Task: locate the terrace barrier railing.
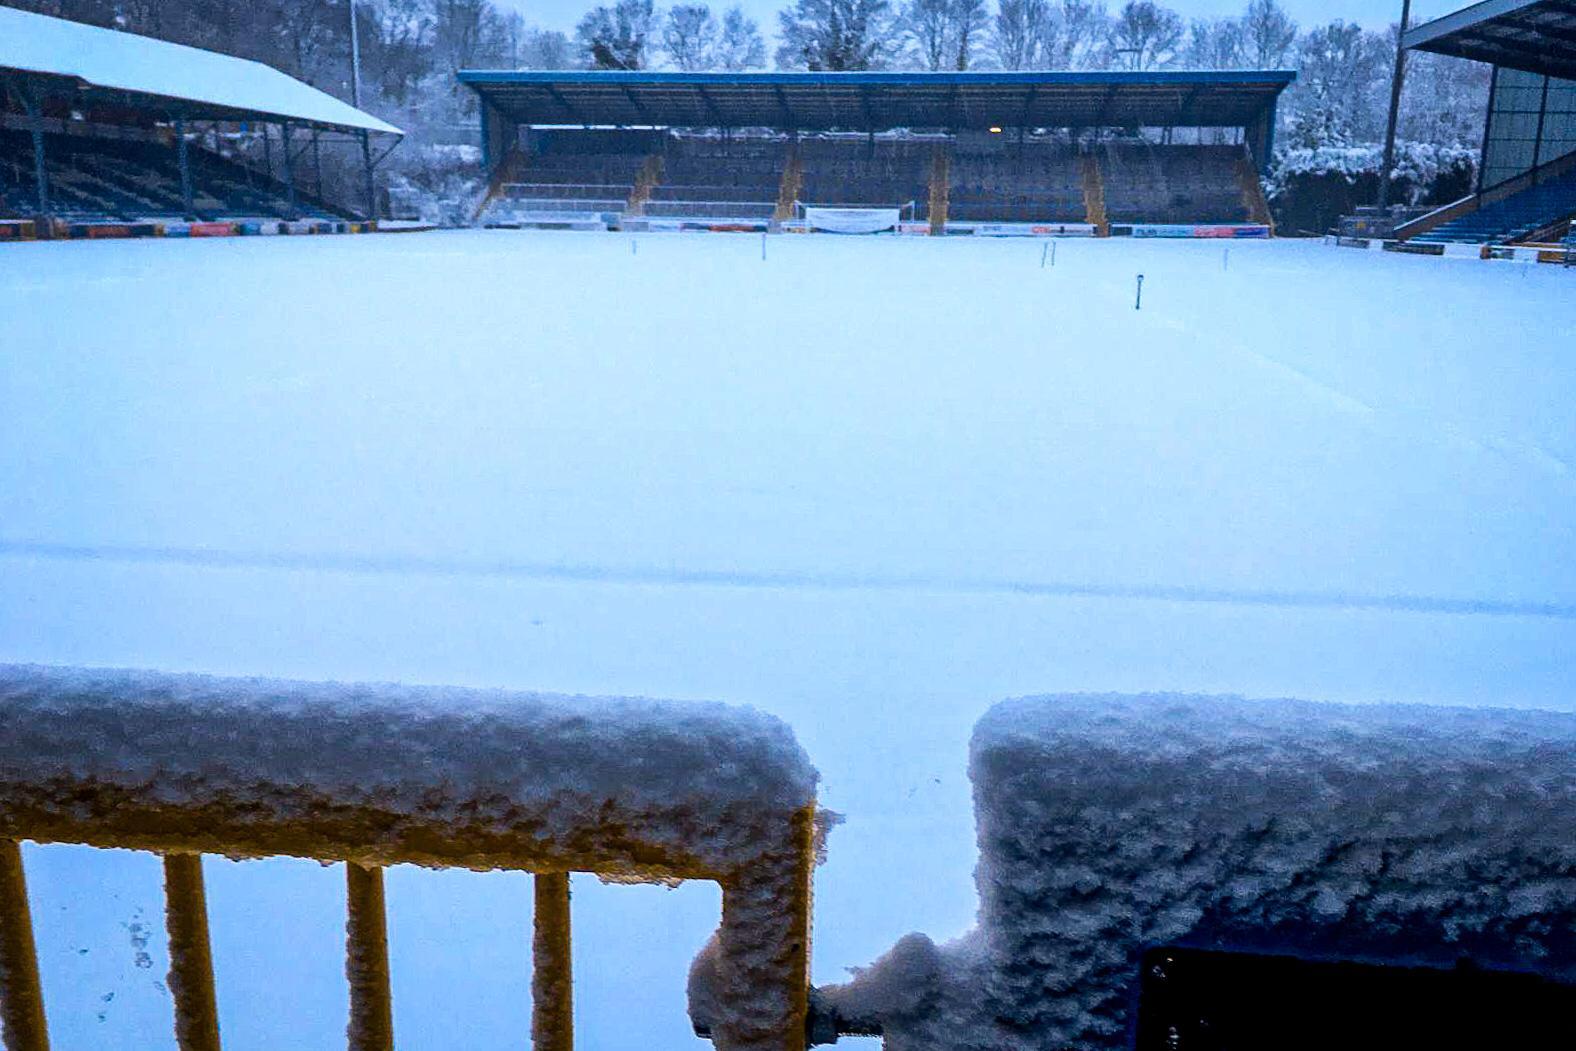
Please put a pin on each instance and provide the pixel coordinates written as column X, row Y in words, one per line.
column 373, row 776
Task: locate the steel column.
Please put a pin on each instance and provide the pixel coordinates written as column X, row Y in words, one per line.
column 35, row 116
column 191, row 958
column 552, row 981
column 366, row 169
column 1387, row 167
column 186, row 168
column 290, row 183
column 367, row 961
column 21, row 998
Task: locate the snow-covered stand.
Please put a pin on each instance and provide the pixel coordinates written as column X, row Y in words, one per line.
column 1110, row 825
column 373, row 775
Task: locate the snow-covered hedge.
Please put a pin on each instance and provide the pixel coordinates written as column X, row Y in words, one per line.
column 1109, row 824
column 1310, row 188
column 1418, row 165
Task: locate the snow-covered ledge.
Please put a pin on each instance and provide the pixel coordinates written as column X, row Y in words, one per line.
column 1111, row 824
column 380, row 774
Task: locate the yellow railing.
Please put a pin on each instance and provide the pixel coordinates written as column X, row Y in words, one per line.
column 184, row 766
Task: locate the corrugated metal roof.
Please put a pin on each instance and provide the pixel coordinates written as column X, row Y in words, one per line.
column 1535, row 35
column 876, row 101
column 207, row 84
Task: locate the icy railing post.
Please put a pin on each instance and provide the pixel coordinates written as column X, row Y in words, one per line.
column 374, row 775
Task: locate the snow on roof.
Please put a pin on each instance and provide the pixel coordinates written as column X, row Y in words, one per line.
column 528, row 775
column 106, row 58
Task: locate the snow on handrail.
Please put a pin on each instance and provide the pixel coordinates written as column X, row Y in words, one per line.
column 374, row 775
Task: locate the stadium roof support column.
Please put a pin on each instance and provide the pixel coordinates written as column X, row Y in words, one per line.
column 1260, row 137
column 1397, row 79
column 498, row 136
column 366, row 168
column 290, row 183
column 184, row 158
column 35, row 119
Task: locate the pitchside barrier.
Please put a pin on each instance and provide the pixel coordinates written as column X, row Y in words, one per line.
column 1021, row 229
column 377, row 775
column 1439, row 249
column 1235, row 231
column 94, row 230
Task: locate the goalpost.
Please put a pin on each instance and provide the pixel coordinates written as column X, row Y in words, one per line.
column 843, row 219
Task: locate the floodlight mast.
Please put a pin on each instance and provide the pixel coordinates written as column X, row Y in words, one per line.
column 1387, row 167
column 355, row 59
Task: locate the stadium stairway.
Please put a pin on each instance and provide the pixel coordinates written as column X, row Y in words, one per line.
column 792, row 180
column 1094, row 195
column 940, row 183
column 1253, row 198
column 1529, row 206
column 645, row 182
column 1512, row 218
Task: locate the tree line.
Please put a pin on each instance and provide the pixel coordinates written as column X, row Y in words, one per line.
column 411, row 48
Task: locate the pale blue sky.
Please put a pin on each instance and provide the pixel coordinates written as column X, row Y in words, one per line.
column 562, row 14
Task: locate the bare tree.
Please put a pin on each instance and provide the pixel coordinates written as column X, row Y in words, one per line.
column 968, row 20
column 739, row 45
column 836, row 35
column 618, row 37
column 689, row 36
column 1018, row 33
column 928, row 26
column 546, row 49
column 1145, row 35
column 1082, row 28
column 1214, row 44
column 1269, row 36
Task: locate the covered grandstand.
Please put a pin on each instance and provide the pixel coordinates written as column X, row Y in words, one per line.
column 1145, row 153
column 104, row 133
column 1526, row 192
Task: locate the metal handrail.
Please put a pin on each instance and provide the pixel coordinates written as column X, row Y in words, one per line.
column 194, row 807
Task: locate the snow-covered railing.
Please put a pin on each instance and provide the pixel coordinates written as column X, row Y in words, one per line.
column 1403, row 836
column 374, row 775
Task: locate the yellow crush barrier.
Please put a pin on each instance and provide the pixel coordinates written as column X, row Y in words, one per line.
column 379, row 775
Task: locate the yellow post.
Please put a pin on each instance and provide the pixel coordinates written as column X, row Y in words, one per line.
column 552, row 979
column 191, row 958
column 367, row 961
column 21, row 999
column 764, row 945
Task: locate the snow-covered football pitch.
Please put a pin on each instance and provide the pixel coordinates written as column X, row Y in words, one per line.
column 869, row 485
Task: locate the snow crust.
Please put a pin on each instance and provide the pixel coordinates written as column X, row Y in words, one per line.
column 687, row 776
column 1110, row 823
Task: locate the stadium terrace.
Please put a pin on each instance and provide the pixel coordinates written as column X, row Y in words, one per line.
column 949, row 152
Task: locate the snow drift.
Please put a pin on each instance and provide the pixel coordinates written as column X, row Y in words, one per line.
column 1111, row 824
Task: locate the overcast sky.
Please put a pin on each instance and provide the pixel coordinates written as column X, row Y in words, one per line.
column 562, row 14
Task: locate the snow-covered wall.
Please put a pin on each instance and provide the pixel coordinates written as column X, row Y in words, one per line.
column 1111, row 824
